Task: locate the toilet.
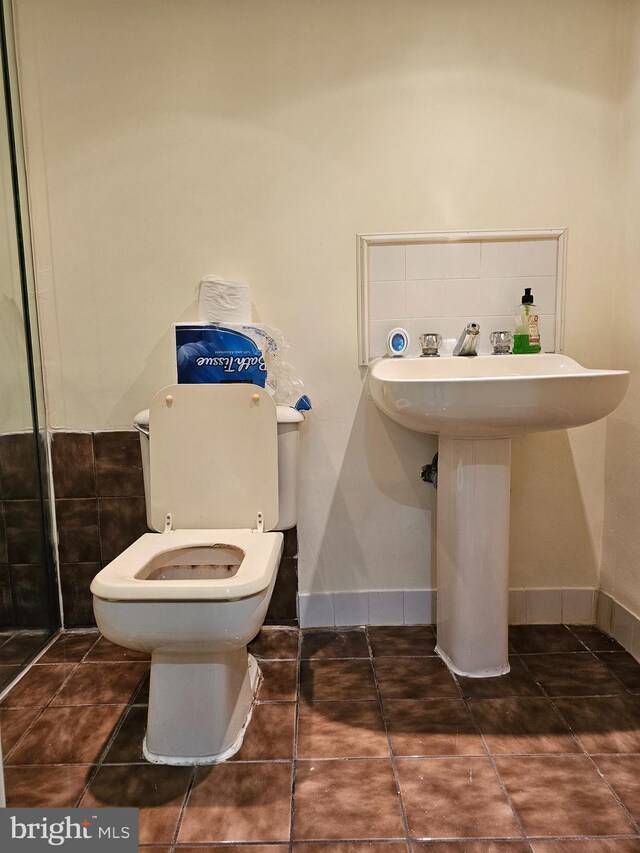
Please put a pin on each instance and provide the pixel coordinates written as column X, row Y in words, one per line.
column 194, row 593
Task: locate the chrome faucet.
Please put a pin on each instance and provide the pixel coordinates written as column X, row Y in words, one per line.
column 468, row 340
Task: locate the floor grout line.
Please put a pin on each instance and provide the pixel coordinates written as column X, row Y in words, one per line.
column 634, row 824
column 183, row 807
column 492, row 761
column 394, row 769
column 294, row 768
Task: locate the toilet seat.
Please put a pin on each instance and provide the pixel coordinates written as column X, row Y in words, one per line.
column 118, row 581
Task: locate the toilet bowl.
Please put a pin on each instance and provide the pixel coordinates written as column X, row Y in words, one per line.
column 195, row 594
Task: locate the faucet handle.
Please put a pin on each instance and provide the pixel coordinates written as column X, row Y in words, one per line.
column 430, row 343
column 502, row 342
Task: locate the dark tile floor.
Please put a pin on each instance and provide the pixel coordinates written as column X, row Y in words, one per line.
column 361, row 741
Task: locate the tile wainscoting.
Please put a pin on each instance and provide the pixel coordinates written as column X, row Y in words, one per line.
column 23, row 585
column 100, row 511
column 621, row 623
column 575, row 606
column 418, row 606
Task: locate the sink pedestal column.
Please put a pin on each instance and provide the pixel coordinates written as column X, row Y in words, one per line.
column 473, row 554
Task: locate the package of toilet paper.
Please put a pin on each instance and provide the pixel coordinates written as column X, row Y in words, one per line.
column 211, row 352
column 223, row 301
column 238, row 352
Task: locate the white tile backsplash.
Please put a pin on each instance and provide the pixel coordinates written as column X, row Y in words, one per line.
column 387, row 263
column 461, row 293
column 499, row 296
column 462, row 260
column 387, row 299
column 538, row 257
column 499, row 259
column 424, row 298
column 441, row 286
column 543, row 290
column 425, row 261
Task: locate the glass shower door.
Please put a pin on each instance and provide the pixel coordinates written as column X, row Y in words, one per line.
column 29, row 611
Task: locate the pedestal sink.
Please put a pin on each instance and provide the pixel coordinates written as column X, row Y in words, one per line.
column 475, row 405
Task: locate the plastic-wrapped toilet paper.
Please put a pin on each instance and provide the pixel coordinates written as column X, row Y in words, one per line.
column 222, row 301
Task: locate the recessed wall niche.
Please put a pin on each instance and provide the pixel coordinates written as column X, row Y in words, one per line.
column 439, row 281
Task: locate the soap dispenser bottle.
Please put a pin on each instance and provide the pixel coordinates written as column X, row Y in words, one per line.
column 527, row 335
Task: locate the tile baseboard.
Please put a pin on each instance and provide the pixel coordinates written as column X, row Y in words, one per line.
column 418, row 606
column 623, row 625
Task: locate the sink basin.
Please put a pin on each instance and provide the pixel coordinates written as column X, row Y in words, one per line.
column 493, row 396
column 475, row 405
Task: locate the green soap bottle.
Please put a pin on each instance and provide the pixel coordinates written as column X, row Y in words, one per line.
column 527, row 336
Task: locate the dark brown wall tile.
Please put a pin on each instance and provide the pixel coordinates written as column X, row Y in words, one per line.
column 6, row 605
column 290, row 547
column 73, row 465
column 122, row 521
column 77, row 520
column 3, row 537
column 19, row 466
column 29, row 590
column 75, row 579
column 282, row 607
column 118, row 464
column 23, row 522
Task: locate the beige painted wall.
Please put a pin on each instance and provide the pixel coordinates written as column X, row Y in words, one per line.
column 621, row 554
column 254, row 139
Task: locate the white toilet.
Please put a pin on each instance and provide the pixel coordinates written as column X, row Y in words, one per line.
column 195, row 594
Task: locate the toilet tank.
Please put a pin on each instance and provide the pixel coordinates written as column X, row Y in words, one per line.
column 289, row 421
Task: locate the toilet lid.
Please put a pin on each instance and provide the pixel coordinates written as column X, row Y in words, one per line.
column 213, row 457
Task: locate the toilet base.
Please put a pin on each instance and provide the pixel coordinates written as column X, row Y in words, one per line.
column 200, row 706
